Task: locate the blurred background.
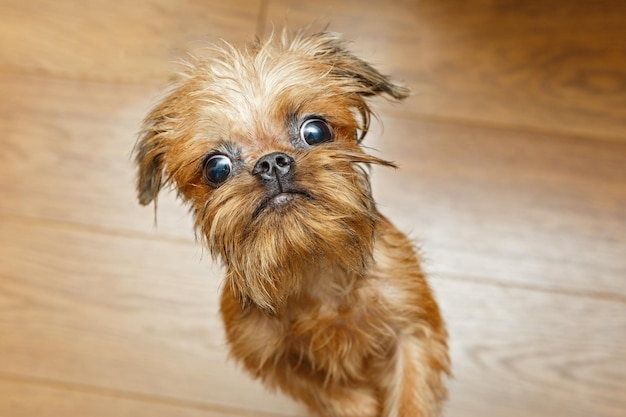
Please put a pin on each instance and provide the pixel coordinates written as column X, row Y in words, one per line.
column 512, row 180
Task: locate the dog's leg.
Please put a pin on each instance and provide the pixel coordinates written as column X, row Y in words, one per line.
column 331, row 400
column 413, row 384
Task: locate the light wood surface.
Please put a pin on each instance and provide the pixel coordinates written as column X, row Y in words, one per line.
column 512, row 181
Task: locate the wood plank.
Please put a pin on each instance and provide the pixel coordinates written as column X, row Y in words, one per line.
column 20, row 397
column 521, row 209
column 117, row 313
column 67, row 154
column 515, row 207
column 125, row 41
column 527, row 353
column 545, row 65
column 139, row 316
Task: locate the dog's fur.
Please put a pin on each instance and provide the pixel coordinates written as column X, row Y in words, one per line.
column 325, row 298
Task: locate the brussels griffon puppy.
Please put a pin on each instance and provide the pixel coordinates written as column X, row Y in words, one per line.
column 324, row 298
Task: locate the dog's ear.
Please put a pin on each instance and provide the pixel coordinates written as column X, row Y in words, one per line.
column 365, row 79
column 150, row 150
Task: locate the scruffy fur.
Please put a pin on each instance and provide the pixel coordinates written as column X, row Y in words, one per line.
column 325, row 298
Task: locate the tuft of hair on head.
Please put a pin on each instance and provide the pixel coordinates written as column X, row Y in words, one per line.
column 332, row 48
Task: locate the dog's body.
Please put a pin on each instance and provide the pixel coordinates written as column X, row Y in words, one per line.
column 325, row 298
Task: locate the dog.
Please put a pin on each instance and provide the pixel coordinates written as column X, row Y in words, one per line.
column 324, row 298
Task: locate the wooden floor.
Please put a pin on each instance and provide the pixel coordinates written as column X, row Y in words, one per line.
column 512, row 180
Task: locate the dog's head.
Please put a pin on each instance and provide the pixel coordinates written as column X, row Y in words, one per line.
column 263, row 143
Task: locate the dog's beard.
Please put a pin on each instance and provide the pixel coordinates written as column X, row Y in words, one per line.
column 268, row 250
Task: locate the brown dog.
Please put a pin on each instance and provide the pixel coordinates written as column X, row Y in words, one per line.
column 325, row 299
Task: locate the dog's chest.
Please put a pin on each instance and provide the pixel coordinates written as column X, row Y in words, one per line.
column 337, row 339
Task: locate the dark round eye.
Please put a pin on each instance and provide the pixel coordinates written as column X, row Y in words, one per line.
column 217, row 169
column 315, row 131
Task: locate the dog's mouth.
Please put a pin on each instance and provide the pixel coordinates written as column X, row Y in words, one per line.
column 281, row 200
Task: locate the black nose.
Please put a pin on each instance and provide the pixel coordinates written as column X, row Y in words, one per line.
column 274, row 166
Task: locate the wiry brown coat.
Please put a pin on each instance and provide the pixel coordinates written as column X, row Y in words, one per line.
column 325, row 299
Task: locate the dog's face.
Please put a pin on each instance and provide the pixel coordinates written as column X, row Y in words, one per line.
column 263, row 143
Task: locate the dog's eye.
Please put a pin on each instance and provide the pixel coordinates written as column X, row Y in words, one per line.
column 217, row 169
column 315, row 131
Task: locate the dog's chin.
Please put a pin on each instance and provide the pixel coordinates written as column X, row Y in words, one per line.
column 290, row 236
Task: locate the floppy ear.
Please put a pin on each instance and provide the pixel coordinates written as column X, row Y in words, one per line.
column 354, row 74
column 150, row 150
column 345, row 65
